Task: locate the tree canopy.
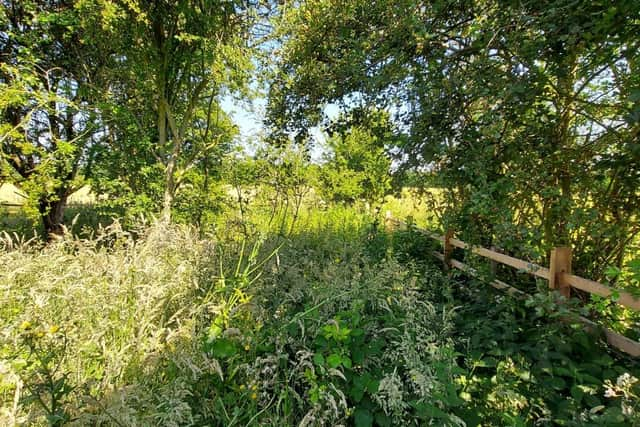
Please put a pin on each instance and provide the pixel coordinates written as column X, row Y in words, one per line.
column 526, row 112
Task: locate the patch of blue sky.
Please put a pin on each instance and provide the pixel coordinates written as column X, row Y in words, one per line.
column 248, row 115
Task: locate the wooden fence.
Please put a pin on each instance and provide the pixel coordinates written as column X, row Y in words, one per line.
column 558, row 274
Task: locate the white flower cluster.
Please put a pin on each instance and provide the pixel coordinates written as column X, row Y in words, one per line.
column 623, row 388
column 626, row 380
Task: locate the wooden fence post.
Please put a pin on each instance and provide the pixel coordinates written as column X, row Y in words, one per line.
column 559, row 263
column 447, row 249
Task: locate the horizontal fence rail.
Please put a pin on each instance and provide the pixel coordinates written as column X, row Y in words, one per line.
column 558, row 274
column 534, row 269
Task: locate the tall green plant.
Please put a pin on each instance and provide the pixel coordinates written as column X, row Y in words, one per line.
column 357, row 165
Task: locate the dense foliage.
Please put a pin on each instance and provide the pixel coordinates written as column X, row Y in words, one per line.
column 160, row 266
column 527, row 111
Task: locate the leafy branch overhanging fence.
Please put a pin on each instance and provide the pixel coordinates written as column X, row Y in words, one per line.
column 558, row 274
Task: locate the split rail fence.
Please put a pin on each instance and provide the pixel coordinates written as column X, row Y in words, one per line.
column 558, row 274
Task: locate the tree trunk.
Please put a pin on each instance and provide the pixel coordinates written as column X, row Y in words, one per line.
column 169, row 191
column 560, row 204
column 167, row 200
column 52, row 214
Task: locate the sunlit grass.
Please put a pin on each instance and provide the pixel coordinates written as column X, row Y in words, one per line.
column 413, row 205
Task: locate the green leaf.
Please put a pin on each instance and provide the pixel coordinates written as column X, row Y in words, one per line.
column 373, row 385
column 577, row 393
column 360, row 384
column 318, row 359
column 363, row 418
column 357, row 332
column 214, row 332
column 612, row 272
column 223, row 348
column 427, row 411
column 382, row 419
column 556, row 383
column 346, row 362
column 358, row 355
column 615, row 295
column 334, row 360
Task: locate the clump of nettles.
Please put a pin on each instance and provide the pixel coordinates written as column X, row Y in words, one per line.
column 161, row 327
column 388, row 303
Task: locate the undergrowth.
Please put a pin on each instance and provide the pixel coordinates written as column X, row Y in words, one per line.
column 339, row 324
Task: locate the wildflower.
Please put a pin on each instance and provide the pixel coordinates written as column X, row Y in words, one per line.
column 254, row 395
column 242, row 387
column 247, row 347
column 626, row 380
column 53, row 329
column 25, row 325
column 609, row 392
column 39, row 334
column 254, row 387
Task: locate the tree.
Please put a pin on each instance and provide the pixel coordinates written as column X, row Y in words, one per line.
column 518, row 109
column 51, row 75
column 357, row 165
column 201, row 196
column 289, row 177
column 184, row 54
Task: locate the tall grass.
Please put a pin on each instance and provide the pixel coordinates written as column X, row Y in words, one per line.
column 98, row 314
column 170, row 329
column 332, row 322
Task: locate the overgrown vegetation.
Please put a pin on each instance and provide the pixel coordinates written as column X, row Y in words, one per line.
column 338, row 323
column 162, row 265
